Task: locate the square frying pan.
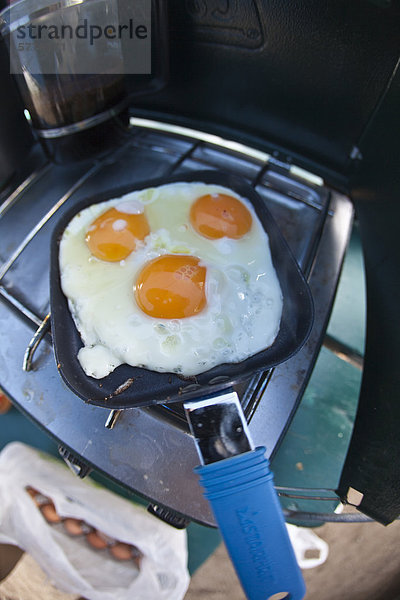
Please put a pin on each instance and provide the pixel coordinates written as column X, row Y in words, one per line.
column 129, row 387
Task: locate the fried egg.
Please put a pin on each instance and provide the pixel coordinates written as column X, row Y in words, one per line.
column 177, row 278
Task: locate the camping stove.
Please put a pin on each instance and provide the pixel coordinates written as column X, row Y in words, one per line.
column 150, row 451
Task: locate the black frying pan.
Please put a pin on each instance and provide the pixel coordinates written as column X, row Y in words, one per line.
column 127, row 386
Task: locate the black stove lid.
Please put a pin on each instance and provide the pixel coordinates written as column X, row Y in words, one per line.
column 306, row 76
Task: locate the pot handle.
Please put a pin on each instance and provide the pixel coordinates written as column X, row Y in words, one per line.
column 246, row 507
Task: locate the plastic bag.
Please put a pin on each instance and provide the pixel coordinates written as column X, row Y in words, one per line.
column 71, row 563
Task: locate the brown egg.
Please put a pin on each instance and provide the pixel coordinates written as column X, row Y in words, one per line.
column 31, row 491
column 40, row 499
column 36, row 496
column 121, row 551
column 98, row 540
column 50, row 514
column 137, row 556
column 75, row 526
column 5, row 403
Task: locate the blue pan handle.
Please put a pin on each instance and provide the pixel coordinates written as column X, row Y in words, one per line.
column 246, row 507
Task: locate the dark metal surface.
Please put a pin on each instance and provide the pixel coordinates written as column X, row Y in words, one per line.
column 218, row 426
column 150, row 450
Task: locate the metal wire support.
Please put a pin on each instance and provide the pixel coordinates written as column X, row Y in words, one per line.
column 344, row 352
column 112, row 418
column 43, row 328
column 313, row 517
column 301, row 493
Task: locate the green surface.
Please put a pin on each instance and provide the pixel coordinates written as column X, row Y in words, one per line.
column 315, row 446
column 15, row 427
column 347, row 322
column 314, row 449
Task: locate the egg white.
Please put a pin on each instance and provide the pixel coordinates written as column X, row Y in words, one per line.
column 244, row 300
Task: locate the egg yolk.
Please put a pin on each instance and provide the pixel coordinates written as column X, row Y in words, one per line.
column 113, row 235
column 171, row 287
column 218, row 215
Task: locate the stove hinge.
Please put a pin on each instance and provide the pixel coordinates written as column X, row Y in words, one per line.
column 168, row 516
column 283, row 164
column 77, row 465
column 280, row 161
